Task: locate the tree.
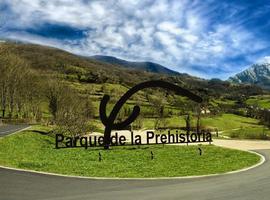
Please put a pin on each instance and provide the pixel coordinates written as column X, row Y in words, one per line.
column 198, row 121
column 17, row 83
column 89, row 109
column 188, row 120
column 54, row 94
column 71, row 117
column 70, row 111
column 158, row 105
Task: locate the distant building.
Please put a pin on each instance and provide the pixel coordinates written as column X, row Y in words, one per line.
column 205, row 111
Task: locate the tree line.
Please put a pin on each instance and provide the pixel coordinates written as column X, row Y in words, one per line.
column 20, row 97
column 24, row 92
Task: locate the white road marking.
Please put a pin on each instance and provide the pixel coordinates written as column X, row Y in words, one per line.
column 15, row 130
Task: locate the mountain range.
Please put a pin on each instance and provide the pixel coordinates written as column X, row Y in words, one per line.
column 258, row 74
column 144, row 66
column 49, row 62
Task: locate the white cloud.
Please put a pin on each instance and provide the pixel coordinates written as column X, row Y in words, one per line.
column 178, row 34
column 264, row 60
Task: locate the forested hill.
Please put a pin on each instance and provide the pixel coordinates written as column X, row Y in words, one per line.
column 52, row 62
column 143, row 66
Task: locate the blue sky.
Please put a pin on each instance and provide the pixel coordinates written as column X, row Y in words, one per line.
column 206, row 38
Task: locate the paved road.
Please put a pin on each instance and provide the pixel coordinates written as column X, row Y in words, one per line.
column 249, row 185
column 8, row 129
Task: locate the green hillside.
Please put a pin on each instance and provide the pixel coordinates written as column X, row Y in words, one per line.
column 52, row 87
column 262, row 101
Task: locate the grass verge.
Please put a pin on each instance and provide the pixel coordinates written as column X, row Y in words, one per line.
column 250, row 133
column 35, row 151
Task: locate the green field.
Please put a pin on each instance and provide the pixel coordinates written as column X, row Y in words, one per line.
column 262, row 101
column 35, row 151
column 259, row 133
column 58, row 88
column 231, row 125
column 229, row 122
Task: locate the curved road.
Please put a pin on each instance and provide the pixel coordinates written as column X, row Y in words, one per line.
column 249, row 185
column 10, row 128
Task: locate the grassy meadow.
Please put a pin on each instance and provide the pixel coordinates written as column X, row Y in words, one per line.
column 52, row 84
column 32, row 150
column 262, row 101
column 228, row 124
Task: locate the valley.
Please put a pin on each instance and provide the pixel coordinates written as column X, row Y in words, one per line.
column 62, row 84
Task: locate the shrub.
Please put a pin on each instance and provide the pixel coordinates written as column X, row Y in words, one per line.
column 250, row 133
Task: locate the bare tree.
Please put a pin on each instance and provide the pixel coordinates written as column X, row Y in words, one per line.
column 55, row 94
column 72, row 116
column 17, row 83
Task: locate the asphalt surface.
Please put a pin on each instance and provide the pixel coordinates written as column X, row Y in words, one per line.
column 8, row 129
column 248, row 185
